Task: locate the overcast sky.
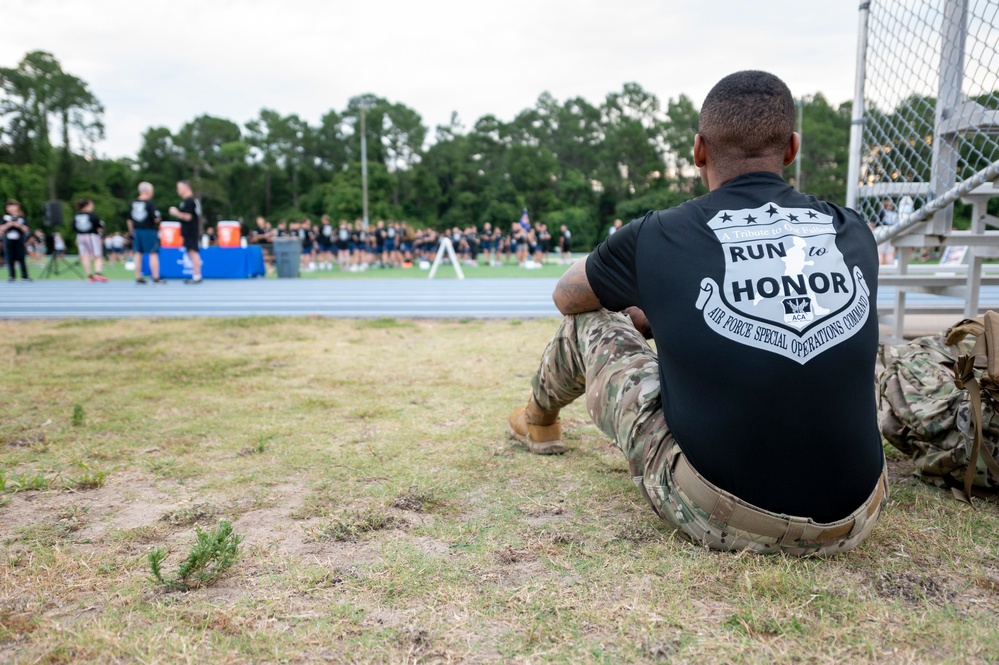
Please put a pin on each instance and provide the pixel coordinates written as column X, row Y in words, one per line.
column 152, row 62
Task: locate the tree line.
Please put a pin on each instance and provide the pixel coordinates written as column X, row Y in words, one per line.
column 566, row 161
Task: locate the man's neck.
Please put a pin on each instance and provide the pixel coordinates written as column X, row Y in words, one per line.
column 718, row 177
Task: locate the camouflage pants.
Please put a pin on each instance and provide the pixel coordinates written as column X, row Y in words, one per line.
column 601, row 355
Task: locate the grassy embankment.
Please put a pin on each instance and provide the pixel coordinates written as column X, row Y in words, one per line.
column 386, row 517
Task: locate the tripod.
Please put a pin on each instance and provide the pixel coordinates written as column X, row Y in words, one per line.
column 52, row 266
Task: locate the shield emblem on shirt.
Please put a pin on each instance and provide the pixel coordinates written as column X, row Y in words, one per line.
column 787, row 287
column 139, row 213
column 782, row 266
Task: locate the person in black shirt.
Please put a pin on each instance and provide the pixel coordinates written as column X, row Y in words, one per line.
column 88, row 227
column 325, row 241
column 14, row 230
column 754, row 425
column 343, row 246
column 143, row 219
column 187, row 213
column 565, row 244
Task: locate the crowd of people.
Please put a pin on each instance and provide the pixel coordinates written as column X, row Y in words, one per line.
column 350, row 247
column 94, row 245
column 344, row 246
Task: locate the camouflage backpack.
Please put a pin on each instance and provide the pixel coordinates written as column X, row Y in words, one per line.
column 938, row 404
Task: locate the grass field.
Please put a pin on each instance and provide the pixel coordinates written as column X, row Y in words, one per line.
column 117, row 271
column 386, row 517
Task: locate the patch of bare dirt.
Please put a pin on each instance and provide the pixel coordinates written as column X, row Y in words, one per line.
column 911, row 587
column 125, row 501
column 900, row 471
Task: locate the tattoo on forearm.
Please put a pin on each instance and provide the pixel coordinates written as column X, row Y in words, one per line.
column 575, row 292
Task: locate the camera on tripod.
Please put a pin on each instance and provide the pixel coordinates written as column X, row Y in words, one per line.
column 51, row 222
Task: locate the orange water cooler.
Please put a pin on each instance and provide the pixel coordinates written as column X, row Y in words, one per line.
column 229, row 234
column 170, row 235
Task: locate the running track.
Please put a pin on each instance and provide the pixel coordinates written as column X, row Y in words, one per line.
column 345, row 298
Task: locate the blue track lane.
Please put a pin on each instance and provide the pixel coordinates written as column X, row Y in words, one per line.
column 344, row 298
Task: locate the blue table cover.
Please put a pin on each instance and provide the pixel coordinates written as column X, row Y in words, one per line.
column 216, row 263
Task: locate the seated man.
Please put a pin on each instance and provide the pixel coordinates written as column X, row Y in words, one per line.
column 754, row 426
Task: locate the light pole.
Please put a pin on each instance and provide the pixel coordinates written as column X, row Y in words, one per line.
column 807, row 99
column 364, row 169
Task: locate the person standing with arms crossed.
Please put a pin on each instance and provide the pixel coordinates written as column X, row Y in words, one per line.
column 187, row 213
column 14, row 230
column 143, row 220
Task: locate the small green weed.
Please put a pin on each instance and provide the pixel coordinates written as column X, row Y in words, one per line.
column 24, row 482
column 214, row 552
column 89, row 479
column 164, row 467
column 77, row 415
column 258, row 448
column 70, row 518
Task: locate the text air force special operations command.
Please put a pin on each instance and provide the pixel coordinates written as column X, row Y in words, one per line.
column 787, row 288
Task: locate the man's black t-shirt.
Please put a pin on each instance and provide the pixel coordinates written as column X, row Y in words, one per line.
column 325, row 237
column 307, row 238
column 189, row 206
column 143, row 214
column 87, row 222
column 761, row 302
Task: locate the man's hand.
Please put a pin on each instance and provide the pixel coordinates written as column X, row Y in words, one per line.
column 640, row 321
column 573, row 294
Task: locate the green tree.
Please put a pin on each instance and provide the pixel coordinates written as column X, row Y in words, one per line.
column 678, row 135
column 825, row 150
column 281, row 142
column 403, row 136
column 38, row 95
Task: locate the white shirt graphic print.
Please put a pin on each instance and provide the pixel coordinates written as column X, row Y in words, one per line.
column 787, row 288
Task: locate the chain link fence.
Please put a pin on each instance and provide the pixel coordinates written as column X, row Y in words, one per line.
column 931, row 95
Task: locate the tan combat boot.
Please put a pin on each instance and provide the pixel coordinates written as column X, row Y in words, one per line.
column 540, row 430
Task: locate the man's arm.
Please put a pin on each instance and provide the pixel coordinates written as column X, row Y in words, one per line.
column 177, row 214
column 573, row 294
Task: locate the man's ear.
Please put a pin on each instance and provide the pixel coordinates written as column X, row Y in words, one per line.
column 792, row 148
column 700, row 151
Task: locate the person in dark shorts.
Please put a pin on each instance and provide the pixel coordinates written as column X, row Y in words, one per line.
column 187, row 213
column 143, row 219
column 753, row 425
column 343, row 245
column 324, row 239
column 14, row 230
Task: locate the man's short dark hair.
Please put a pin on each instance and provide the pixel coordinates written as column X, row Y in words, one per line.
column 747, row 114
